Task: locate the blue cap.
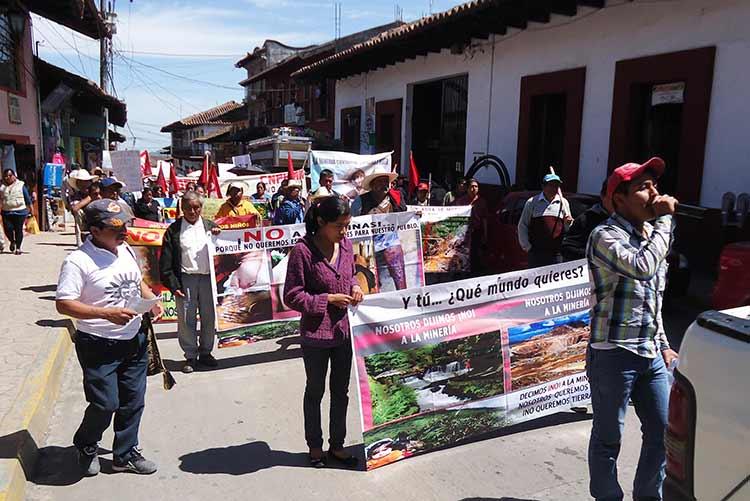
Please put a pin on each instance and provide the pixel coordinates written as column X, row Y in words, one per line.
column 106, row 212
column 551, row 178
column 110, row 181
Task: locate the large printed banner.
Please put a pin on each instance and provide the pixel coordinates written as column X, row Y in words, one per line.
column 248, row 270
column 349, row 169
column 250, row 183
column 445, row 239
column 145, row 238
column 440, row 364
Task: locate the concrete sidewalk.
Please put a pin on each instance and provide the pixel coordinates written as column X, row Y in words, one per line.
column 236, row 433
column 36, row 345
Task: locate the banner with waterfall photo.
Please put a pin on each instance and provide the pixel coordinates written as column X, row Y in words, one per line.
column 442, row 364
column 445, row 241
column 248, row 269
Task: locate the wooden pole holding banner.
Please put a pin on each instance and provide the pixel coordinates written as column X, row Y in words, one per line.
column 429, row 188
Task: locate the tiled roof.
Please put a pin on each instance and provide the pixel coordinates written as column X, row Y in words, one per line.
column 214, row 135
column 477, row 19
column 204, row 117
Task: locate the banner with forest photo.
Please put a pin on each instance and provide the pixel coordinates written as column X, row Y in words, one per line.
column 442, row 364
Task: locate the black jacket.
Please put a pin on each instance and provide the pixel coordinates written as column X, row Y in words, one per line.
column 574, row 243
column 170, row 262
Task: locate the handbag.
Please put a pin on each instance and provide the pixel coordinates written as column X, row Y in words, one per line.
column 32, row 227
column 155, row 362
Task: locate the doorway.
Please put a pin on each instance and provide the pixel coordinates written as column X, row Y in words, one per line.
column 388, row 128
column 351, row 122
column 549, row 127
column 438, row 130
column 660, row 108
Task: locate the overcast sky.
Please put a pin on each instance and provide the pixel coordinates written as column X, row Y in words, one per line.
column 190, row 39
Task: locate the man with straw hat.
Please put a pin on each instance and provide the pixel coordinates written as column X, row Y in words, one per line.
column 379, row 198
column 544, row 221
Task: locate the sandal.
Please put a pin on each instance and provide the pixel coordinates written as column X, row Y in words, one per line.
column 317, row 462
column 349, row 461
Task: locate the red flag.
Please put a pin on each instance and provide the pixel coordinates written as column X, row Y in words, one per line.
column 145, row 164
column 204, row 177
column 213, row 181
column 174, row 185
column 161, row 180
column 289, row 166
column 413, row 174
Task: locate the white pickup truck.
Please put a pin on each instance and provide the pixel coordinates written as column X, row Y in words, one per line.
column 708, row 436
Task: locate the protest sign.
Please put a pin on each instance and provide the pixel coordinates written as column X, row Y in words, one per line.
column 145, row 238
column 272, row 181
column 126, row 167
column 445, row 241
column 440, row 364
column 349, row 169
column 248, row 270
column 168, row 209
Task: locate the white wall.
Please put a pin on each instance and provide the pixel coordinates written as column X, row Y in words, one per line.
column 595, row 40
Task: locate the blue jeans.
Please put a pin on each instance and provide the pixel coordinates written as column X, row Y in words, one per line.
column 114, row 381
column 617, row 376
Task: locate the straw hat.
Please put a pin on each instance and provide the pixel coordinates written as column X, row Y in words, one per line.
column 370, row 178
column 321, row 192
column 80, row 175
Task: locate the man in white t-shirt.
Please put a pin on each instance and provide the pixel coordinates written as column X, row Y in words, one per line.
column 101, row 286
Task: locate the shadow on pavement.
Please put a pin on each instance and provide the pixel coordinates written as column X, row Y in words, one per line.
column 57, row 466
column 59, row 244
column 244, row 459
column 284, row 352
column 41, row 288
column 497, row 499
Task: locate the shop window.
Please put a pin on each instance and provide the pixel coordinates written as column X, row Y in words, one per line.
column 9, row 60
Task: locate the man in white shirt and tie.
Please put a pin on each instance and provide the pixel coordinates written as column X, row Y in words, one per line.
column 185, row 271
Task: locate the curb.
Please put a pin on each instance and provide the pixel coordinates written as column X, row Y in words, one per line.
column 25, row 425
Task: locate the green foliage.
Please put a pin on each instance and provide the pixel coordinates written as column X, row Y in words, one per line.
column 474, row 389
column 391, row 402
column 441, row 428
column 271, row 330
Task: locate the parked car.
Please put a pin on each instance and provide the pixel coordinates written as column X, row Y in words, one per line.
column 709, row 419
column 504, row 253
column 732, row 288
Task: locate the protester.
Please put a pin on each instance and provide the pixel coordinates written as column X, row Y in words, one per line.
column 98, row 285
column 292, row 209
column 422, row 197
column 78, row 183
column 200, row 190
column 16, row 208
column 380, row 199
column 574, row 242
column 544, row 221
column 278, row 197
column 185, row 270
column 236, row 205
column 190, row 187
column 111, row 188
column 148, row 208
column 628, row 352
column 458, row 192
column 402, row 184
column 260, row 195
column 325, row 181
column 158, row 191
column 320, row 285
column 478, row 234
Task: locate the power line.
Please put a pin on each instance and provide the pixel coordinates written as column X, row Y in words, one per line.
column 195, row 56
column 175, row 75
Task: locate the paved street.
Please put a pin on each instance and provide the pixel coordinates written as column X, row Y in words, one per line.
column 236, row 432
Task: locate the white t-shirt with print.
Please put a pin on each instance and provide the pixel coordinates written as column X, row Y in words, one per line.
column 96, row 277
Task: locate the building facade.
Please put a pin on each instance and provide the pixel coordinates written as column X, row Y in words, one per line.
column 583, row 88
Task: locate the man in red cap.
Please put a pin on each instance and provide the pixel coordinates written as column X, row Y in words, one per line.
column 628, row 353
column 422, row 197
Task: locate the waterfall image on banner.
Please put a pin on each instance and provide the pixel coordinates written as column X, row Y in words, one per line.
column 548, row 350
column 446, row 245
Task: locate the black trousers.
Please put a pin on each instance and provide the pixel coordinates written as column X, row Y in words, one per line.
column 13, row 226
column 541, row 258
column 316, row 368
column 114, row 381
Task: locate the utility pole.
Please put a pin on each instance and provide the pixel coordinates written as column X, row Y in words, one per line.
column 105, row 56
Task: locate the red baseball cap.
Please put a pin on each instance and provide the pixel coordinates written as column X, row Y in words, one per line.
column 628, row 172
column 423, row 187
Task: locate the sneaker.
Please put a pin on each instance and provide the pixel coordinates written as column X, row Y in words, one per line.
column 208, row 360
column 135, row 464
column 88, row 460
column 189, row 366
